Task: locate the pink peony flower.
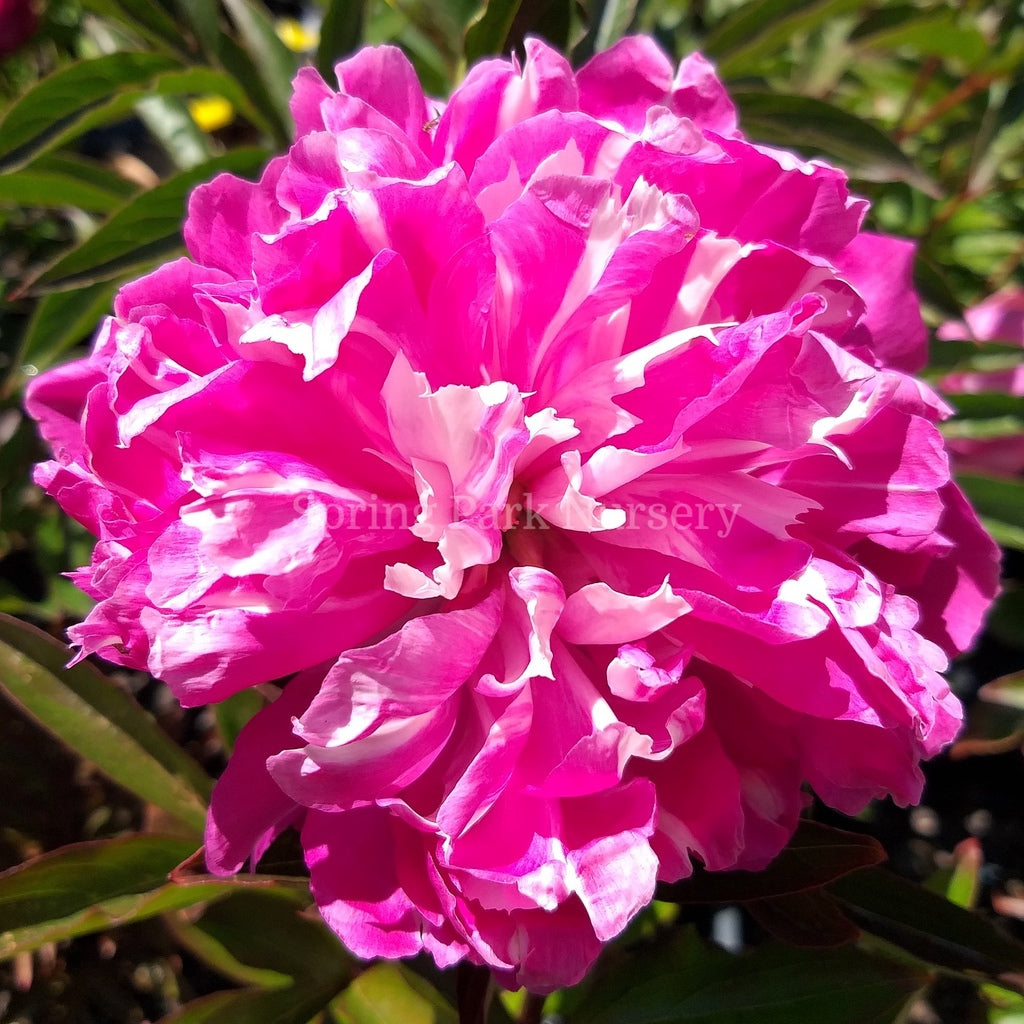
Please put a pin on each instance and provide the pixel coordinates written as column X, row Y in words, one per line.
column 998, row 318
column 18, row 21
column 561, row 441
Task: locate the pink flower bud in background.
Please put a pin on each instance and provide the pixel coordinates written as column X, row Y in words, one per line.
column 1000, row 319
column 18, row 21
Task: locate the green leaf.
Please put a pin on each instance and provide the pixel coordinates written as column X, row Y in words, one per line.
column 59, row 322
column 341, row 32
column 552, row 20
column 963, row 356
column 48, row 111
column 89, row 887
column 964, row 882
column 204, row 19
column 170, row 123
column 922, row 33
column 488, row 32
column 817, row 128
column 145, row 231
column 144, row 17
column 608, row 22
column 233, row 713
column 765, row 28
column 810, row 920
column 40, row 134
column 1006, row 619
column 100, row 722
column 988, row 405
column 691, row 982
column 435, row 31
column 59, row 180
column 262, row 932
column 935, row 290
column 993, row 427
column 985, row 414
column 199, row 81
column 243, row 68
column 996, row 499
column 274, row 64
column 1006, row 690
column 389, row 993
column 927, row 925
column 816, row 855
column 1006, row 535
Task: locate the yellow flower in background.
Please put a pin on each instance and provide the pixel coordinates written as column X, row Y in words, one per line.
column 297, row 36
column 211, row 112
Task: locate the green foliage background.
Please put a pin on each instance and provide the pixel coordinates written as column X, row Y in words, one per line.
column 921, row 102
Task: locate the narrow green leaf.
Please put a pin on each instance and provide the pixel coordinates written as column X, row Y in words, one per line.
column 89, row 887
column 691, row 982
column 238, row 63
column 38, row 188
column 816, row 855
column 818, row 128
column 43, row 136
column 49, row 109
column 275, row 65
column 70, row 165
column 204, row 19
column 1006, row 535
column 924, row 34
column 927, row 925
column 145, row 231
column 1006, row 690
column 986, row 429
column 389, row 993
column 58, row 180
column 199, row 81
column 487, row 34
column 935, row 290
column 964, row 883
column 810, row 919
column 552, row 20
column 988, row 405
column 282, row 942
column 945, row 356
column 99, row 721
column 341, row 32
column 996, row 498
column 765, row 28
column 616, row 16
column 59, row 322
column 206, row 948
column 985, row 414
column 77, row 877
column 148, row 19
column 170, row 123
column 233, row 713
column 435, row 30
column 1004, row 620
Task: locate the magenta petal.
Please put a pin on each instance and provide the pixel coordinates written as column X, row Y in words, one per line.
column 248, row 809
column 384, row 78
column 352, row 870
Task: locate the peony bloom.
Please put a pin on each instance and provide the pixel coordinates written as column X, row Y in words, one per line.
column 18, row 21
column 999, row 318
column 558, row 444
